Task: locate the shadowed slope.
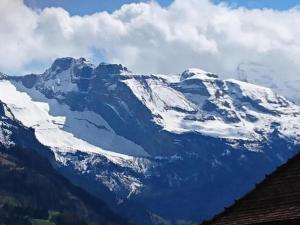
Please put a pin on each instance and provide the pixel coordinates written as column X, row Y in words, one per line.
column 31, row 189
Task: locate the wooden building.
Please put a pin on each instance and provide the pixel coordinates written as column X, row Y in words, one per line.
column 275, row 201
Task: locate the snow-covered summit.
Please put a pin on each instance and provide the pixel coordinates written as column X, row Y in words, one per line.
column 82, row 69
column 74, row 75
column 194, row 72
column 201, row 102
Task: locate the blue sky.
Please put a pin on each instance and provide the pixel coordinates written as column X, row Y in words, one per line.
column 83, row 7
column 274, row 4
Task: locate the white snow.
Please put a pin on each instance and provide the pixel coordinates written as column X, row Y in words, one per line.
column 183, row 111
column 196, row 101
column 64, row 130
column 178, row 104
column 194, row 73
column 160, row 99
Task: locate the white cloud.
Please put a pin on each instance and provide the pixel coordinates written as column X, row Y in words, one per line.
column 149, row 38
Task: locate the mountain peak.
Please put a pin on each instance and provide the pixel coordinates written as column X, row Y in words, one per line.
column 72, row 75
column 197, row 72
column 112, row 69
column 83, row 68
column 62, row 64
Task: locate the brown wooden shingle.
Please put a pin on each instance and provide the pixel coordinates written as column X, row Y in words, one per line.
column 275, row 201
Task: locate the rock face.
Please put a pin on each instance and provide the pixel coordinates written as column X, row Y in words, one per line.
column 155, row 142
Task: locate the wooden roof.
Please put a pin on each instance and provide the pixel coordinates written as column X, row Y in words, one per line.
column 274, row 201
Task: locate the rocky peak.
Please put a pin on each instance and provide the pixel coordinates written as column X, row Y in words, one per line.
column 61, row 64
column 2, row 76
column 72, row 75
column 111, row 69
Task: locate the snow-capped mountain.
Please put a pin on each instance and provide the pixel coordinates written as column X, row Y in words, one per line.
column 261, row 75
column 155, row 142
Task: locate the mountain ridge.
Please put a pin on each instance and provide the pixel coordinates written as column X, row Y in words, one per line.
column 172, row 139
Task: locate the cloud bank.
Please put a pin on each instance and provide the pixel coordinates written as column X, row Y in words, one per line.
column 149, row 38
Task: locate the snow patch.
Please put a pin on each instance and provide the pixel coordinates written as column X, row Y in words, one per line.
column 64, row 130
column 203, row 103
